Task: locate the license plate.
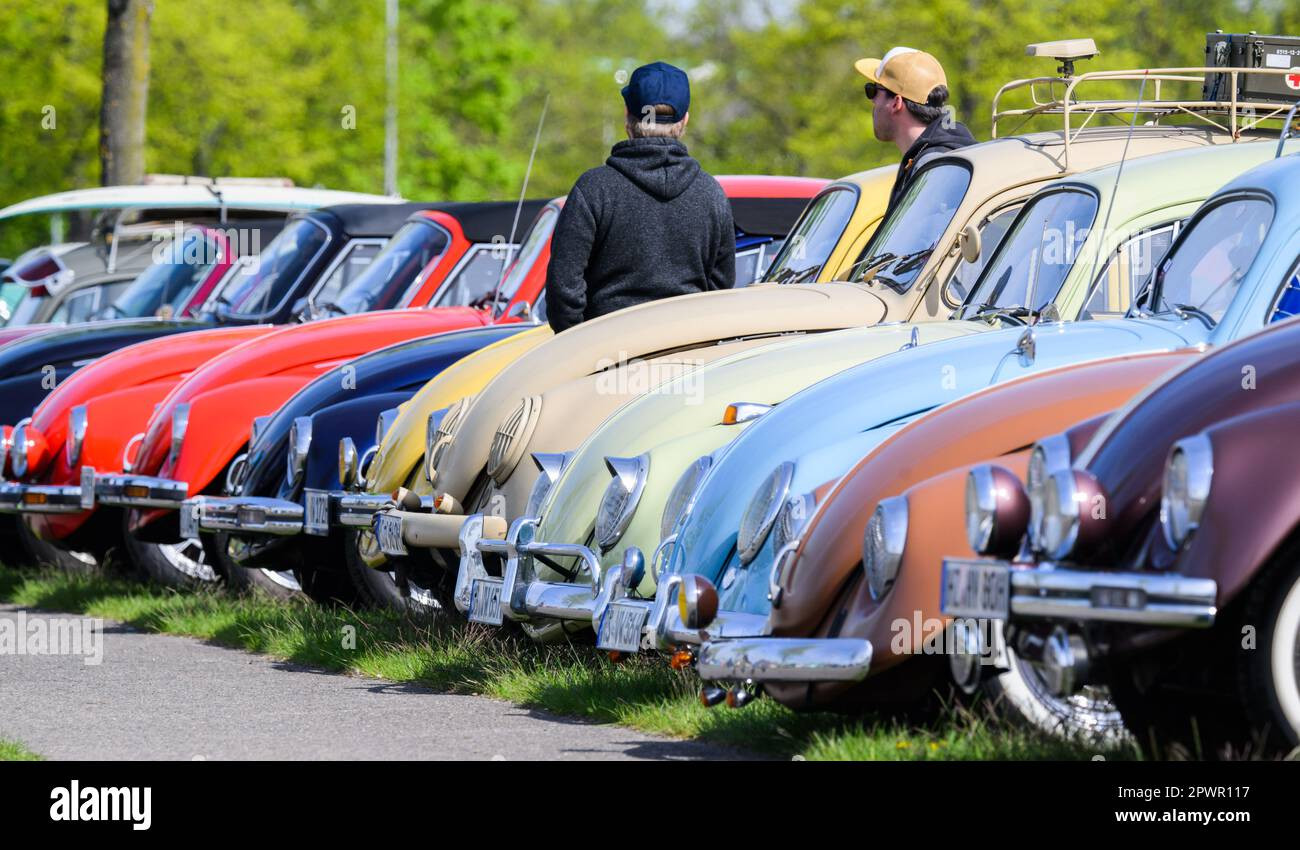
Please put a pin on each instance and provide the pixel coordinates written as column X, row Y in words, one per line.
column 976, row 589
column 485, row 601
column 190, row 520
column 388, row 531
column 318, row 512
column 620, row 627
column 87, row 487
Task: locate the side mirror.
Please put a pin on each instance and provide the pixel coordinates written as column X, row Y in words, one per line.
column 970, row 243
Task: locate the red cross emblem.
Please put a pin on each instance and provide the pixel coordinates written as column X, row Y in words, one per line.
column 1292, row 81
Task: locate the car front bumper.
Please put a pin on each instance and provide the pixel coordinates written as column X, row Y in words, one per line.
column 246, row 514
column 774, row 659
column 1049, row 591
column 140, row 491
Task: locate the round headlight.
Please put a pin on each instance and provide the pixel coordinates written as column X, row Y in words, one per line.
column 299, row 446
column 618, row 503
column 18, row 456
column 549, row 467
column 1189, row 472
column 883, row 544
column 793, row 518
column 383, row 423
column 683, row 494
column 347, row 463
column 1059, row 528
column 1050, row 454
column 997, row 510
column 180, row 423
column 77, row 423
column 761, row 514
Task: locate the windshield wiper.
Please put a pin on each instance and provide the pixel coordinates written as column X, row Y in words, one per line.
column 1016, row 315
column 1184, row 311
column 906, row 263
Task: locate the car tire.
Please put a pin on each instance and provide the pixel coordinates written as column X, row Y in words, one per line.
column 43, row 553
column 185, row 565
column 1268, row 680
column 383, row 589
column 1021, row 695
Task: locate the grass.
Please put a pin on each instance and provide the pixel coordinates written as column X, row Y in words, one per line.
column 570, row 679
column 13, row 751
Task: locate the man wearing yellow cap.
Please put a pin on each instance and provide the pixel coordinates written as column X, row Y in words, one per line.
column 907, row 89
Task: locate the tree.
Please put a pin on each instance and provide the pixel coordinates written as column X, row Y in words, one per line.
column 125, row 93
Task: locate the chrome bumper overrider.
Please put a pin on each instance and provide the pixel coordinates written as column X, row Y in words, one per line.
column 355, row 510
column 772, row 659
column 140, row 491
column 1050, row 591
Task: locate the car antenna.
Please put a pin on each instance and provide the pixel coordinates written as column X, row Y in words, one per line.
column 519, row 207
column 1119, row 173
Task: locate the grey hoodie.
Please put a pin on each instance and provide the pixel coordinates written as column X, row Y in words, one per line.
column 649, row 223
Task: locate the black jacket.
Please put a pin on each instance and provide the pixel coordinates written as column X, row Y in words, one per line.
column 935, row 140
column 649, row 223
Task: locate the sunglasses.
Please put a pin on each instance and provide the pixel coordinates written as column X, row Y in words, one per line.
column 872, row 89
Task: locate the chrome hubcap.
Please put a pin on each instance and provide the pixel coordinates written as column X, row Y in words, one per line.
column 189, row 558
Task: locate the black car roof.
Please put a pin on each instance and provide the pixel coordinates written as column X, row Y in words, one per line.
column 479, row 221
column 766, row 216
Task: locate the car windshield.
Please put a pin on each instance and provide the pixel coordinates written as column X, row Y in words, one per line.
column 263, row 283
column 534, row 242
column 1202, row 274
column 164, row 288
column 11, row 295
column 1036, row 255
column 908, row 237
column 382, row 282
column 476, row 279
column 814, row 236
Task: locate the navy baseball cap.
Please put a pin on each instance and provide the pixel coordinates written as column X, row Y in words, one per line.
column 654, row 84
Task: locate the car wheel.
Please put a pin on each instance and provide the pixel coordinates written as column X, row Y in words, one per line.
column 1269, row 675
column 1022, row 695
column 383, row 589
column 181, row 565
column 46, row 554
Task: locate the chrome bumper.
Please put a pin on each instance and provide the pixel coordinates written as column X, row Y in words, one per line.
column 140, row 491
column 355, row 510
column 11, row 496
column 772, row 659
column 247, row 514
column 50, row 499
column 1050, row 591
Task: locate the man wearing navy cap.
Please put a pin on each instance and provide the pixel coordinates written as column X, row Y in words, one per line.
column 649, row 223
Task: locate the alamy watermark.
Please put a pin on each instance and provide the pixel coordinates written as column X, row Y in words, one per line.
column 626, row 376
column 183, row 244
column 23, row 634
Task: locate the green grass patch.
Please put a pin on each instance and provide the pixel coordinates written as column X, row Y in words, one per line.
column 13, row 751
column 569, row 678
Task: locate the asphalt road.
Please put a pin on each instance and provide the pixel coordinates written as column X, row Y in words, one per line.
column 165, row 697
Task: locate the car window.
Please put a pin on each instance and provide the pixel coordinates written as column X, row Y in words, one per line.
column 747, row 265
column 413, row 247
column 1288, row 298
column 11, row 294
column 1037, row 253
column 476, row 279
column 534, row 241
column 78, row 307
column 1126, row 271
column 1212, row 257
column 907, row 238
column 182, row 268
column 991, row 233
column 267, row 280
column 359, row 255
column 813, row 237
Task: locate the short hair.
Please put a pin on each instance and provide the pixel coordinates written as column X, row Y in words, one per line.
column 933, row 109
column 638, row 128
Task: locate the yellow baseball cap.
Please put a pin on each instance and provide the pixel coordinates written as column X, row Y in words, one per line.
column 906, row 71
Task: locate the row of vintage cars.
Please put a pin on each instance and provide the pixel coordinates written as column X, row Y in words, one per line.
column 1025, row 436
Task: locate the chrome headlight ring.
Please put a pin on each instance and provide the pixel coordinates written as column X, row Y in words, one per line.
column 1188, row 476
column 550, row 465
column 760, row 515
column 1050, row 455
column 21, row 449
column 619, row 501
column 883, row 544
column 180, row 424
column 299, row 448
column 77, row 424
column 348, row 463
column 682, row 497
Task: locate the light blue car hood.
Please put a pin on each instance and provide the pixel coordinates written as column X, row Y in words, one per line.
column 827, row 428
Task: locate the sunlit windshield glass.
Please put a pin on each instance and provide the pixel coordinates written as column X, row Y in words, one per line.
column 527, row 255
column 27, row 308
column 906, row 239
column 264, row 282
column 813, row 238
column 1036, row 255
column 1206, row 268
column 170, row 282
column 11, row 293
column 476, row 280
column 382, row 283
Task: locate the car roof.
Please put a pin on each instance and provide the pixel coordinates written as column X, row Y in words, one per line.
column 763, row 205
column 190, row 196
column 482, row 221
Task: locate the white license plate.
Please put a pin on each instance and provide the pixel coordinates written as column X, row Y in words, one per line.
column 318, row 512
column 976, row 589
column 485, row 601
column 388, row 530
column 87, row 487
column 620, row 627
column 190, row 520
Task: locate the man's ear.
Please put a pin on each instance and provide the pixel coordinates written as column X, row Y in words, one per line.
column 686, row 120
column 896, row 105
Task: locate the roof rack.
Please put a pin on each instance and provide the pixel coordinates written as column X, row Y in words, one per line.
column 192, row 180
column 1058, row 95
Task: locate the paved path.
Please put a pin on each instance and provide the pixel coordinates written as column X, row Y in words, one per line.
column 166, row 697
